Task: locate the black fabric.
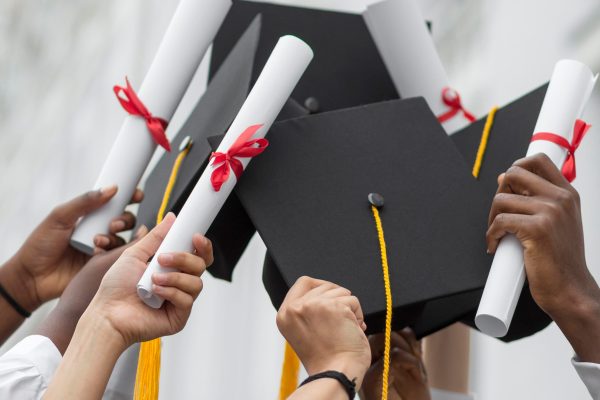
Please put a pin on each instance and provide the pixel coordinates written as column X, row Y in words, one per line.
column 347, row 70
column 508, row 142
column 307, row 197
column 348, row 385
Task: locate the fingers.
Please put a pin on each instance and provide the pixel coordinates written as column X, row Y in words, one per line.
column 353, row 303
column 175, row 296
column 325, row 287
column 541, row 165
column 509, row 203
column 523, row 182
column 66, row 215
column 122, row 223
column 516, row 224
column 107, row 242
column 302, row 286
column 404, row 340
column 410, row 337
column 187, row 283
column 203, row 248
column 183, row 262
column 138, row 196
column 148, row 245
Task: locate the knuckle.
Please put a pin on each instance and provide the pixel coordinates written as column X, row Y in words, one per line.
column 303, row 280
column 565, row 198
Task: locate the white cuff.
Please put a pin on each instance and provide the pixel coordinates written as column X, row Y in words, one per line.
column 590, row 375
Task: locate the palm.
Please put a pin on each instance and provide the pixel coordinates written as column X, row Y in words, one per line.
column 48, row 258
column 136, row 321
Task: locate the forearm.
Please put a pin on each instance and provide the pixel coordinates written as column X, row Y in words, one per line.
column 18, row 287
column 579, row 320
column 320, row 389
column 88, row 361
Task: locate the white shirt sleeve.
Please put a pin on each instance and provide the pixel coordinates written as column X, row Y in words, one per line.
column 590, row 375
column 27, row 368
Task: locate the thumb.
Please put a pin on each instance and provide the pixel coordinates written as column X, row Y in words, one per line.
column 67, row 214
column 149, row 244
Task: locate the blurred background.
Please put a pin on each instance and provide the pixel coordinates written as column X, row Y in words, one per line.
column 58, row 118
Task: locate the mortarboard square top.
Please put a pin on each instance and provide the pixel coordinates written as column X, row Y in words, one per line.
column 347, row 71
column 307, row 197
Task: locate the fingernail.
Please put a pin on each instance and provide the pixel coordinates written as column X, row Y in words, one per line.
column 488, row 251
column 170, row 215
column 118, row 225
column 165, row 259
column 160, row 279
column 108, row 189
column 156, row 288
column 101, row 241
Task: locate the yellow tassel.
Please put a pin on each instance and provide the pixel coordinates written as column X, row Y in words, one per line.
column 489, row 122
column 289, row 372
column 147, row 377
column 388, row 304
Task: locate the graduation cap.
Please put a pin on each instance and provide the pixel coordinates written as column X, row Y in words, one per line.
column 212, row 115
column 348, row 70
column 307, row 197
column 509, row 139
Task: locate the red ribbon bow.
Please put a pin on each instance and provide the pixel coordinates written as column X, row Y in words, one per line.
column 451, row 98
column 134, row 106
column 569, row 170
column 243, row 147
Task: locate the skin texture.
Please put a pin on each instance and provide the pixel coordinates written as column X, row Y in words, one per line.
column 117, row 318
column 407, row 379
column 60, row 323
column 537, row 204
column 324, row 324
column 45, row 264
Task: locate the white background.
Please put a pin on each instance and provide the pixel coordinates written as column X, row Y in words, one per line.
column 58, row 118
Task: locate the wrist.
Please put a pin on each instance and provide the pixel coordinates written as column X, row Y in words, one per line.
column 19, row 284
column 349, row 366
column 579, row 320
column 95, row 322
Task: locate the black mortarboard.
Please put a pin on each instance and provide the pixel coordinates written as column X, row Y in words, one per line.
column 508, row 141
column 307, row 197
column 211, row 116
column 348, row 70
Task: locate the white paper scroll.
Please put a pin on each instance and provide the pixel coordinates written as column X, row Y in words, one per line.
column 192, row 29
column 569, row 90
column 408, row 51
column 281, row 73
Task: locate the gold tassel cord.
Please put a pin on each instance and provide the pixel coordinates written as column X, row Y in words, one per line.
column 148, row 370
column 388, row 304
column 489, row 122
column 289, row 373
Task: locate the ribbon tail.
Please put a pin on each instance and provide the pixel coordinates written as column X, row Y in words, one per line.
column 569, row 169
column 219, row 176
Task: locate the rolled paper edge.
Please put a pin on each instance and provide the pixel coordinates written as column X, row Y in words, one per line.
column 151, row 299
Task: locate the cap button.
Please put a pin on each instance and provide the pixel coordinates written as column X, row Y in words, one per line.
column 311, row 104
column 376, row 199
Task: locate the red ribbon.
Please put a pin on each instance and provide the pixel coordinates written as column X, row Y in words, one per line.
column 569, row 169
column 134, row 106
column 243, row 147
column 451, row 98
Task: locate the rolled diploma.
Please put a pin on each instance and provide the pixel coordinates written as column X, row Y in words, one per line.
column 281, row 73
column 192, row 29
column 569, row 90
column 405, row 44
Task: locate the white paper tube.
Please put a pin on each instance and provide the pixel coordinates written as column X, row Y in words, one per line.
column 569, row 90
column 192, row 29
column 281, row 73
column 405, row 44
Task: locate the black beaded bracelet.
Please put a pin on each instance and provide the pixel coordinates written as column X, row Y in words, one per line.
column 13, row 303
column 347, row 384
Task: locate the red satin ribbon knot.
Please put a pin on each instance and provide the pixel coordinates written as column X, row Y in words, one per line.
column 134, row 106
column 569, row 169
column 243, row 147
column 451, row 98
